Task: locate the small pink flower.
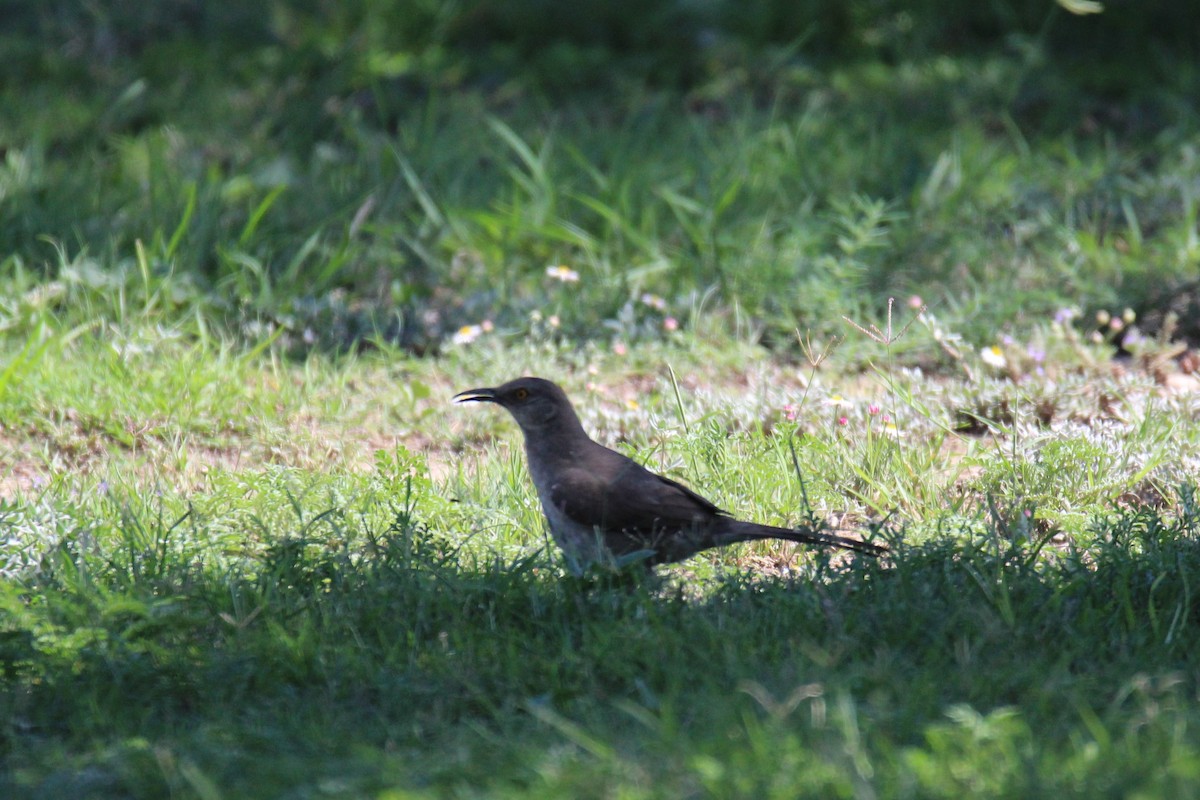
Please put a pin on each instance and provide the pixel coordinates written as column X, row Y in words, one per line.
column 872, row 409
column 671, row 324
column 789, row 412
column 915, row 302
column 843, row 421
column 886, row 418
column 619, row 348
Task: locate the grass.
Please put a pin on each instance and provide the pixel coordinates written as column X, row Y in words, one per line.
column 248, row 548
column 353, row 623
column 341, row 223
column 328, row 641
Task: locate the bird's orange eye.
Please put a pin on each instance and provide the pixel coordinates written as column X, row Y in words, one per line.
column 521, row 394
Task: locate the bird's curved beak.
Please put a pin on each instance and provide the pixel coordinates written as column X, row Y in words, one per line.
column 476, row 395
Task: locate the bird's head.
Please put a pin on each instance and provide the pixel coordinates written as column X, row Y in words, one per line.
column 534, row 402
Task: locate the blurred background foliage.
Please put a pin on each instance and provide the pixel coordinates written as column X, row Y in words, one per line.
column 667, row 42
column 399, row 168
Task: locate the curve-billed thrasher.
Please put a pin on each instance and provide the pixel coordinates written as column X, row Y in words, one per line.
column 604, row 506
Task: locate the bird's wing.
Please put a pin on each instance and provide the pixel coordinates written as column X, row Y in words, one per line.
column 675, row 496
column 632, row 506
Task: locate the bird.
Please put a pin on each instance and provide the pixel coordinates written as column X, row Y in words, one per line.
column 604, row 507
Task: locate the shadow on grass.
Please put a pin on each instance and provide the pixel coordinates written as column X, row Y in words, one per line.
column 134, row 672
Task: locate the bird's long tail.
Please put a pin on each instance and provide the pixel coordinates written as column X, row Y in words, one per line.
column 739, row 531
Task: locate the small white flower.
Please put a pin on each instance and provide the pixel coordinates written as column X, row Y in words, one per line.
column 467, row 334
column 654, row 301
column 993, row 356
column 837, row 401
column 563, row 274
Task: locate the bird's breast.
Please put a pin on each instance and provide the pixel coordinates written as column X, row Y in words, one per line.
column 581, row 543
